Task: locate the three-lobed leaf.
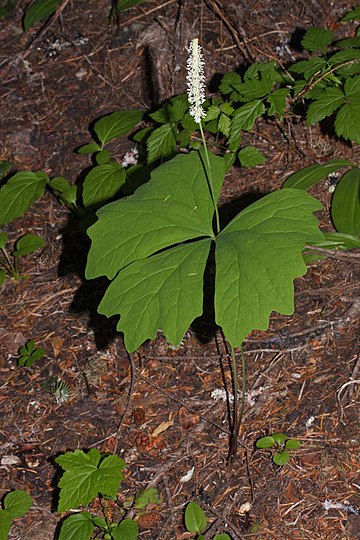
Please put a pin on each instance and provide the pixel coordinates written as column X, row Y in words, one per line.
column 19, row 192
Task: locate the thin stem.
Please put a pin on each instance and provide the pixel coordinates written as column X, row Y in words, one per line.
column 10, row 267
column 210, row 179
column 238, row 414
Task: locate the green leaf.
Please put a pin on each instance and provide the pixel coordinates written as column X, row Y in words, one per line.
column 229, row 82
column 212, row 113
column 89, row 148
column 345, row 206
column 336, row 240
column 5, row 168
column 67, row 192
column 324, row 105
column 347, row 55
column 162, row 142
column 28, row 244
column 3, row 240
column 77, row 527
column 147, row 496
column 281, row 458
column 117, row 124
column 229, row 158
column 223, row 536
column 255, row 88
column 19, row 192
column 317, row 39
column 39, row 10
column 279, row 438
column 99, row 522
column 224, row 124
column 349, row 42
column 277, row 102
column 102, row 183
column 265, row 442
column 17, row 503
column 5, row 524
column 2, row 277
column 251, row 156
column 292, row 444
column 353, row 15
column 87, row 475
column 127, row 530
column 308, row 67
column 195, row 519
column 253, row 276
column 103, row 157
column 309, row 176
column 347, row 123
column 126, row 4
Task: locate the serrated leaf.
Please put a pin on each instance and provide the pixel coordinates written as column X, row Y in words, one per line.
column 277, row 102
column 325, row 104
column 229, row 158
column 27, row 244
column 5, row 524
column 224, row 124
column 347, row 122
column 229, row 82
column 102, row 183
column 77, row 527
column 149, row 495
column 255, row 88
column 212, row 113
column 117, row 124
column 3, row 240
column 309, row 67
column 162, row 142
column 345, row 205
column 87, row 475
column 279, row 438
column 317, row 39
column 341, row 57
column 89, row 148
column 244, row 119
column 17, row 503
column 253, row 278
column 353, row 15
column 265, row 442
column 127, row 530
column 281, row 458
column 126, row 4
column 19, row 192
column 349, row 42
column 309, row 176
column 39, row 10
column 250, row 157
column 292, row 444
column 195, row 519
column 142, row 135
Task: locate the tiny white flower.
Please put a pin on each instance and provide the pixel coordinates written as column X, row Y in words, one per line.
column 195, row 81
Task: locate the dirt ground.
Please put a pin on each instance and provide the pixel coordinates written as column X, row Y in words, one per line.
column 52, row 89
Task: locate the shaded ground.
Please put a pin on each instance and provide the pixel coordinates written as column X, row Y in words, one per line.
column 296, row 370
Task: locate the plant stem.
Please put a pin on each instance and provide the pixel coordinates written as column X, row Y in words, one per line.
column 210, row 179
column 237, row 414
column 9, row 267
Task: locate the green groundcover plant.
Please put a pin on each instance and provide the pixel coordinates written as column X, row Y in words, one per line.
column 196, row 523
column 280, row 445
column 15, row 505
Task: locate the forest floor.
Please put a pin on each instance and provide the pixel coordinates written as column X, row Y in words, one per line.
column 157, row 407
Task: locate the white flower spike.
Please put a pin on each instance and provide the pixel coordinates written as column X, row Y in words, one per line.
column 195, row 81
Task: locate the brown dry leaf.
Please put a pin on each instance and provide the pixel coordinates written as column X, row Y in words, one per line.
column 148, row 520
column 12, row 341
column 162, row 427
column 57, row 343
column 187, row 419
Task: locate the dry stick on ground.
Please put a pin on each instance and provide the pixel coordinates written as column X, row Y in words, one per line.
column 343, row 256
column 131, row 391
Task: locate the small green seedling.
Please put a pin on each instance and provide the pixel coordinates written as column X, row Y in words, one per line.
column 30, row 354
column 281, row 444
column 16, row 504
column 25, row 245
column 195, row 522
column 88, row 476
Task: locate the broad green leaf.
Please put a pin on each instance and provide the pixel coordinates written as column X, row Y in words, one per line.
column 19, row 192
column 5, row 524
column 224, row 124
column 172, row 207
column 345, row 206
column 67, row 192
column 341, row 57
column 229, row 82
column 309, row 176
column 162, row 142
column 163, row 291
column 17, row 503
column 77, row 527
column 212, row 113
column 244, row 119
column 150, row 495
column 89, row 148
column 28, row 244
column 347, row 123
column 127, row 530
column 255, row 88
column 229, row 158
column 117, row 124
column 103, row 157
column 222, row 536
column 142, row 135
column 99, row 522
column 324, row 105
column 87, row 475
column 281, row 458
column 258, row 256
column 3, row 240
column 39, row 10
column 308, row 67
column 195, row 519
column 102, row 183
column 292, row 444
column 265, row 442
column 277, row 102
column 349, row 42
column 2, row 276
column 251, row 156
column 317, row 39
column 126, row 4
column 279, row 438
column 353, row 15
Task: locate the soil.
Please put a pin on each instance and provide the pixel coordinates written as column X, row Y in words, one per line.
column 156, row 407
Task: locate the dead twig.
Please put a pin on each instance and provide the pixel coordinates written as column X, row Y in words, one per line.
column 131, row 391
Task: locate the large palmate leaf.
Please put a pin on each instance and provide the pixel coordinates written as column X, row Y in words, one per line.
column 159, row 279
column 258, row 255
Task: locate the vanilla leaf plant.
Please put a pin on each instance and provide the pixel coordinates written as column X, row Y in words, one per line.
column 155, row 244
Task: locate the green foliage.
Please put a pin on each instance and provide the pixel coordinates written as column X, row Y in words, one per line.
column 281, row 446
column 28, row 244
column 30, row 354
column 18, row 194
column 251, row 156
column 16, row 504
column 148, row 496
column 195, row 522
column 25, row 245
column 38, row 10
column 153, row 287
column 116, row 124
